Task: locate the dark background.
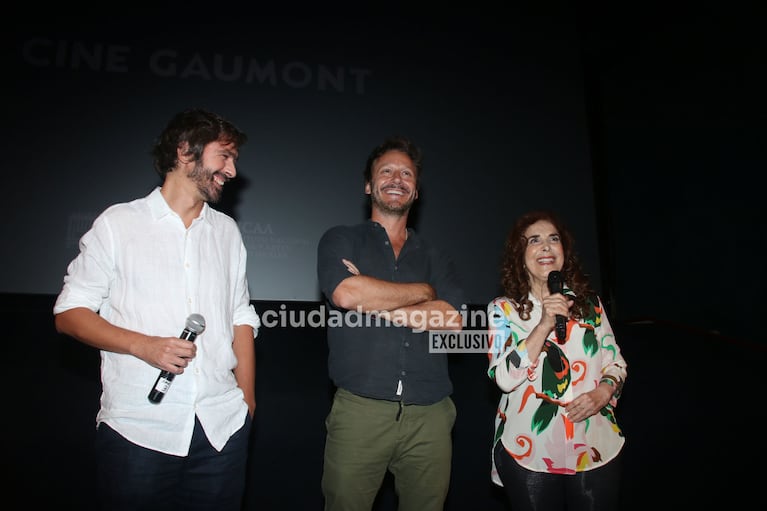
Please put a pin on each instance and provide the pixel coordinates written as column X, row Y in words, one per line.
column 642, row 125
column 691, row 415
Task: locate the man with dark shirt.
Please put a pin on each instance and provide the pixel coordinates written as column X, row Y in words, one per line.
column 392, row 408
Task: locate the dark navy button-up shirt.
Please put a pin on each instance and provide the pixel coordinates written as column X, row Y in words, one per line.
column 368, row 356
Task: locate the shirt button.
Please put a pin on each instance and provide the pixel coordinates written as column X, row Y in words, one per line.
column 386, row 242
column 407, row 344
column 403, row 373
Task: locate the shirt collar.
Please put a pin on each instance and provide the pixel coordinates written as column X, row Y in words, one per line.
column 159, row 207
column 411, row 234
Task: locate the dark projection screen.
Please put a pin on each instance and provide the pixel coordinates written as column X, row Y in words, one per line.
column 497, row 109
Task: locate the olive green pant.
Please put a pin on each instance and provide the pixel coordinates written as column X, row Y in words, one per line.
column 366, row 437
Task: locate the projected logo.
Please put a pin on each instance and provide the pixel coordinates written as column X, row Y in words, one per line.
column 42, row 52
column 261, row 241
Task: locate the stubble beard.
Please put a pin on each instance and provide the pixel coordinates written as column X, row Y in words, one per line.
column 400, row 209
column 203, row 178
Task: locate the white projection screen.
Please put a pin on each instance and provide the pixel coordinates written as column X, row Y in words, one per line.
column 499, row 114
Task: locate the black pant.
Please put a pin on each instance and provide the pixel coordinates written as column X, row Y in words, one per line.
column 133, row 478
column 592, row 490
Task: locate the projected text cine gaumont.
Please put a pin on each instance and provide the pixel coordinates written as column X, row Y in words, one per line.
column 170, row 63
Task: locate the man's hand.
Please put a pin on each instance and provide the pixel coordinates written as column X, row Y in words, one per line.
column 350, row 266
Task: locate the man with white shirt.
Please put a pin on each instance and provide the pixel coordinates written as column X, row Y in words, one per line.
column 143, row 268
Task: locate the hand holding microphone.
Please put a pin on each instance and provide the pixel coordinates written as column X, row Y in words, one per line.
column 555, row 286
column 195, row 325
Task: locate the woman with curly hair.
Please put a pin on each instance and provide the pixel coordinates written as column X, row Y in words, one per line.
column 557, row 443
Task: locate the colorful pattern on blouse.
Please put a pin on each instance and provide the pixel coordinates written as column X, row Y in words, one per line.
column 530, row 420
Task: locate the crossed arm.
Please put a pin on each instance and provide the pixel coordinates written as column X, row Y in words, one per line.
column 414, row 305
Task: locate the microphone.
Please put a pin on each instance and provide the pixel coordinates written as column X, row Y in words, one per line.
column 195, row 324
column 555, row 286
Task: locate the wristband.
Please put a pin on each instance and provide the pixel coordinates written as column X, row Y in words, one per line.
column 613, row 382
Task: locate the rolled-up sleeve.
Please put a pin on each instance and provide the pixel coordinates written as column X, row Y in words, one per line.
column 244, row 312
column 88, row 277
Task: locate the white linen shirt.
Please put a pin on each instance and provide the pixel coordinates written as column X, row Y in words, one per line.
column 140, row 268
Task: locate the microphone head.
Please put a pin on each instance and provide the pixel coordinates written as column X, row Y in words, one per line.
column 555, row 281
column 195, row 323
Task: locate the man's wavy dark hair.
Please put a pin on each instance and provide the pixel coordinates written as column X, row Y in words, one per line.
column 196, row 127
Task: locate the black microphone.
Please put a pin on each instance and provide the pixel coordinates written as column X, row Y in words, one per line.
column 195, row 324
column 555, row 286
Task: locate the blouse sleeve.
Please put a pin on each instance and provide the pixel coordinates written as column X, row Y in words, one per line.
column 509, row 363
column 613, row 363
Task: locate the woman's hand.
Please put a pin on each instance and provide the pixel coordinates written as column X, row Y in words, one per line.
column 588, row 404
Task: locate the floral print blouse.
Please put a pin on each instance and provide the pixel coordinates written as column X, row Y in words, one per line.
column 530, row 420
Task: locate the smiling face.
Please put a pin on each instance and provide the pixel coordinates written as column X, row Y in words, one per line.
column 393, row 184
column 213, row 170
column 544, row 251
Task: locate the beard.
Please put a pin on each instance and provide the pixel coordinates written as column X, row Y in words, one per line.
column 393, row 208
column 203, row 178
